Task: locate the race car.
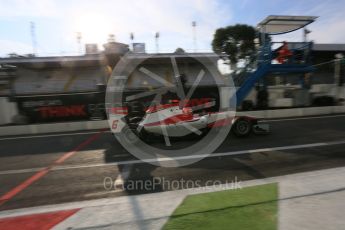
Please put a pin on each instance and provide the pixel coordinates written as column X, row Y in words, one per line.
column 174, row 120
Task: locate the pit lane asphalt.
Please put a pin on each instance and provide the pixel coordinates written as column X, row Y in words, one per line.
column 81, row 176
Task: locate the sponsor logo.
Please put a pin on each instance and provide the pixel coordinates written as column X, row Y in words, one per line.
column 62, row 111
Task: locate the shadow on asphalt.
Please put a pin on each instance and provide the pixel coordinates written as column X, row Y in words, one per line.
column 225, row 169
column 161, row 178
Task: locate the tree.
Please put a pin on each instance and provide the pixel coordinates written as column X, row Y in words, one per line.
column 179, row 51
column 236, row 41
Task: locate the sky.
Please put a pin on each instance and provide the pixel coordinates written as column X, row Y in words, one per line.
column 58, row 21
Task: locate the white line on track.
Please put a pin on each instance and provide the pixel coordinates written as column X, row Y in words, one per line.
column 17, row 171
column 131, row 162
column 32, row 170
column 50, row 135
column 304, row 118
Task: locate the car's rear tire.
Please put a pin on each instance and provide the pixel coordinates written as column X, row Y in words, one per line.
column 242, row 128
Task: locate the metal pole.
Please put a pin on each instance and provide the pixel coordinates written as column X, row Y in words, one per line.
column 157, row 42
column 132, row 39
column 194, row 36
column 33, row 37
column 305, row 34
column 79, row 41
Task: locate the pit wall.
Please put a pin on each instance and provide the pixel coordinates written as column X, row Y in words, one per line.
column 52, row 128
column 293, row 96
column 38, row 129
